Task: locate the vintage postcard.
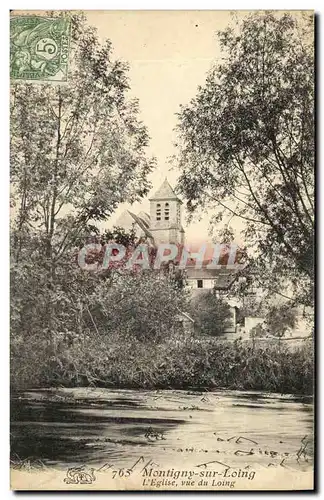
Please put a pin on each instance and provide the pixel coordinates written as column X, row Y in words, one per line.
column 162, row 243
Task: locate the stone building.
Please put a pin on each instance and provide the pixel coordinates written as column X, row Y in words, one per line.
column 164, row 225
column 165, row 216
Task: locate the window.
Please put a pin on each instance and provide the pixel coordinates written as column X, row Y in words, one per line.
column 158, row 211
column 166, row 211
column 200, row 284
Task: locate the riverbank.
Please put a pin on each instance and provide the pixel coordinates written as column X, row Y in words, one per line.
column 176, row 363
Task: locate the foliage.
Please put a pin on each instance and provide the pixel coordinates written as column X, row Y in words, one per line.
column 259, row 331
column 144, row 305
column 77, row 151
column 280, row 318
column 211, row 314
column 141, row 305
column 119, row 235
column 178, row 362
column 246, row 144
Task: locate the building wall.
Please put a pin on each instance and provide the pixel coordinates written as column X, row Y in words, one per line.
column 252, row 321
column 165, row 221
column 166, row 211
column 207, row 284
column 168, row 235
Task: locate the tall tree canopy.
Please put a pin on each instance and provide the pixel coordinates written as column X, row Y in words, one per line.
column 77, row 149
column 246, row 141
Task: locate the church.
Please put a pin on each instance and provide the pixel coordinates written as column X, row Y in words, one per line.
column 164, row 225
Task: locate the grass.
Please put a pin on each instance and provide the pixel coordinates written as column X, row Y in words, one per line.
column 178, row 362
column 26, row 463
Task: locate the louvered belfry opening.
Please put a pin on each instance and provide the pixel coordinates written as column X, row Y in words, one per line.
column 166, row 211
column 158, row 211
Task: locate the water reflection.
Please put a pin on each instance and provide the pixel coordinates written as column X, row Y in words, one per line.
column 71, row 426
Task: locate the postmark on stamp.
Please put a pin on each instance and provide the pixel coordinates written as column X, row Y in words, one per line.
column 39, row 48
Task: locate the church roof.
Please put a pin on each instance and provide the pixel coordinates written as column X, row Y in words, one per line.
column 165, row 192
column 141, row 224
column 125, row 220
column 145, row 217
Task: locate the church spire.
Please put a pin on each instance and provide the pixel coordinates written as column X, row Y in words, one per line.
column 165, row 192
column 165, row 215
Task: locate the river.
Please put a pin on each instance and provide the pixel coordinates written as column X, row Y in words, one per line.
column 64, row 427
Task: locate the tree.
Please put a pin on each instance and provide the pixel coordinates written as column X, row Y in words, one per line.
column 279, row 319
column 246, row 142
column 211, row 314
column 77, row 151
column 144, row 305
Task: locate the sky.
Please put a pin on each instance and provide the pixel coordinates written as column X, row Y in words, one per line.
column 169, row 53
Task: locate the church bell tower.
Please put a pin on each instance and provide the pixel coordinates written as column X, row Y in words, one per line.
column 165, row 216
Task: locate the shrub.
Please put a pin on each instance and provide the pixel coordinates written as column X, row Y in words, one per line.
column 176, row 362
column 211, row 314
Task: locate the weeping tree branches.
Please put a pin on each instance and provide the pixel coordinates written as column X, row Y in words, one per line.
column 246, row 141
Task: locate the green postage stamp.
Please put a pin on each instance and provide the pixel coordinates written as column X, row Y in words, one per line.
column 39, row 48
